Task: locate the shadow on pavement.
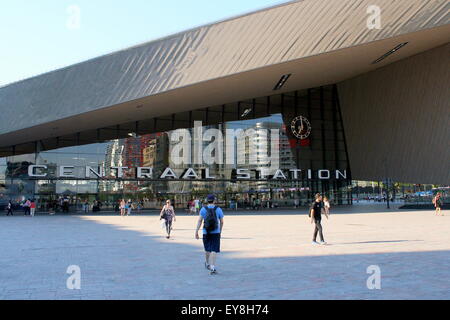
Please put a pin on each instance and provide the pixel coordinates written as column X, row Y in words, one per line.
column 378, row 242
column 118, row 263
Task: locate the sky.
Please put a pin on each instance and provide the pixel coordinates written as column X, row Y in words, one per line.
column 37, row 36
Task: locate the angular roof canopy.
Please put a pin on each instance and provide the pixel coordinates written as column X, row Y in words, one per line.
column 319, row 42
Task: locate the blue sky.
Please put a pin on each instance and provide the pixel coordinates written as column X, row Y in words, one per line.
column 42, row 35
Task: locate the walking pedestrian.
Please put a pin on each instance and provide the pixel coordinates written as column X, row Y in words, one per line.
column 316, row 218
column 26, row 207
column 197, row 206
column 129, row 207
column 32, row 207
column 168, row 214
column 9, row 208
column 326, row 206
column 86, row 206
column 65, row 204
column 192, row 207
column 188, row 207
column 437, row 201
column 122, row 207
column 212, row 217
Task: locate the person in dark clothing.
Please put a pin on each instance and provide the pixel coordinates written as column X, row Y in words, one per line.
column 437, row 201
column 316, row 218
column 168, row 214
column 26, row 207
column 9, row 208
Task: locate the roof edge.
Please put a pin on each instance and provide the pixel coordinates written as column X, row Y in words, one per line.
column 163, row 38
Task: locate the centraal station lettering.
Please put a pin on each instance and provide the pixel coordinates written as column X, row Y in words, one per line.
column 69, row 172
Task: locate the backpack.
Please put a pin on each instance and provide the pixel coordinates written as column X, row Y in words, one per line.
column 210, row 223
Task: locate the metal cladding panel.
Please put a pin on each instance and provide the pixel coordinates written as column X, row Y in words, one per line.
column 397, row 120
column 280, row 34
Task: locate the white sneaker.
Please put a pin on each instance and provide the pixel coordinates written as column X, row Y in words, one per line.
column 323, row 243
column 315, row 243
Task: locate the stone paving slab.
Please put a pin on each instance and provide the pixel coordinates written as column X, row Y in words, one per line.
column 264, row 257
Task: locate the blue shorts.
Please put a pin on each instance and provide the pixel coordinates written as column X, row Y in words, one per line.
column 212, row 242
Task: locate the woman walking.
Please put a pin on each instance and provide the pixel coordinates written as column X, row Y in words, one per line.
column 32, row 208
column 168, row 214
column 437, row 201
column 122, row 207
column 326, row 205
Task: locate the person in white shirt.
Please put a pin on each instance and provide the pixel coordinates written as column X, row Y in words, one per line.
column 326, row 205
column 197, row 206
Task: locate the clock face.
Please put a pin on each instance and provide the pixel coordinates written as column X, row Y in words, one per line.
column 301, row 128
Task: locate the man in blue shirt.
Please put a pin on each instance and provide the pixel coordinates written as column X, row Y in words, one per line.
column 212, row 218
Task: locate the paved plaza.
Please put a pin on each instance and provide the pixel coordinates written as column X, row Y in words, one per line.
column 267, row 256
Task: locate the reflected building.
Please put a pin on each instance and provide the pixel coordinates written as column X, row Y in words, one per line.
column 113, row 158
column 156, row 150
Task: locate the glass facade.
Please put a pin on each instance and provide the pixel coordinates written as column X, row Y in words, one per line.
column 247, row 180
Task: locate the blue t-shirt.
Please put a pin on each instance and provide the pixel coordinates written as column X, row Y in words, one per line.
column 219, row 214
